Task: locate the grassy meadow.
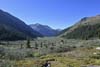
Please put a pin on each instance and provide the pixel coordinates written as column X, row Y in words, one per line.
column 58, row 51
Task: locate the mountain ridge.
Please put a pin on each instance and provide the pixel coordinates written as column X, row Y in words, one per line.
column 44, row 29
column 86, row 28
column 11, row 23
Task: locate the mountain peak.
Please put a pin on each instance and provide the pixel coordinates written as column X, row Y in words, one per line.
column 44, row 29
column 14, row 27
column 98, row 15
column 88, row 27
column 84, row 18
column 37, row 24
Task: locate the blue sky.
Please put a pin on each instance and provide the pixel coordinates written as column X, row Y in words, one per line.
column 55, row 13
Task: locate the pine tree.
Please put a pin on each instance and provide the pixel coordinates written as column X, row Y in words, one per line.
column 98, row 34
column 36, row 45
column 28, row 43
column 21, row 46
column 41, row 45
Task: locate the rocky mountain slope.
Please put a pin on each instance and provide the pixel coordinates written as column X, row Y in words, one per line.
column 12, row 28
column 86, row 28
column 44, row 29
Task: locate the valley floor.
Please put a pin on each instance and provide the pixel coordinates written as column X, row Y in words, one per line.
column 58, row 52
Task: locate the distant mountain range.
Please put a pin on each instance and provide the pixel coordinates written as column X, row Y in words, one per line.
column 45, row 30
column 12, row 28
column 86, row 28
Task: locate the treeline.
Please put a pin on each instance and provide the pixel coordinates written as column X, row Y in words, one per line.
column 10, row 34
column 84, row 32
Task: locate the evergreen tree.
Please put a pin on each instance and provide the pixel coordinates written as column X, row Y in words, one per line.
column 21, row 46
column 28, row 43
column 41, row 45
column 36, row 45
